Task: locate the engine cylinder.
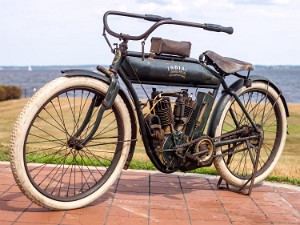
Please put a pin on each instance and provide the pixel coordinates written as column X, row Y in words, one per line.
column 183, row 109
column 164, row 111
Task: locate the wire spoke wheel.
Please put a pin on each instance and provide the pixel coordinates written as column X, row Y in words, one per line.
column 73, row 173
column 265, row 107
column 55, row 162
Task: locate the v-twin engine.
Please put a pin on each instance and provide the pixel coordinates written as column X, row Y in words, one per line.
column 171, row 125
column 176, row 119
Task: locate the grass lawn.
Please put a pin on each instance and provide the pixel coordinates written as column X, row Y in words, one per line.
column 287, row 170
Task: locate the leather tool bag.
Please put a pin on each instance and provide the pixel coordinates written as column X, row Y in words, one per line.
column 165, row 46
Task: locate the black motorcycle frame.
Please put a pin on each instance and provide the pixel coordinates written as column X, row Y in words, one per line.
column 116, row 71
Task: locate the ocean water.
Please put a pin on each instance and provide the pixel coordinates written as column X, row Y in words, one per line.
column 286, row 78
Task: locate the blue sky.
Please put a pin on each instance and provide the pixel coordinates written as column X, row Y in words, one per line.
column 65, row 32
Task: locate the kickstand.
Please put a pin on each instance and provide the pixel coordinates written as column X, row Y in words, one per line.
column 251, row 179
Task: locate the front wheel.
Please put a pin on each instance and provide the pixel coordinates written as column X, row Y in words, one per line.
column 235, row 162
column 46, row 161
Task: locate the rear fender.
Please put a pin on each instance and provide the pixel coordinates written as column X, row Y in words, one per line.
column 106, row 79
column 219, row 108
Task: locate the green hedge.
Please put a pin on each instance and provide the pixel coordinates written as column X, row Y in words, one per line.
column 9, row 92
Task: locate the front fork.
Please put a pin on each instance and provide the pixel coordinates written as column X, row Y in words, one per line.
column 104, row 104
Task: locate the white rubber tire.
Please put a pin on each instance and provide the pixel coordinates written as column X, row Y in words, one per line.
column 23, row 123
column 219, row 163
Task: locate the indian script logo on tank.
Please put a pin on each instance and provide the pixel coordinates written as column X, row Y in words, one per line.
column 177, row 71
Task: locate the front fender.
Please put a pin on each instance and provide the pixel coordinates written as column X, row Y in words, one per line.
column 219, row 108
column 104, row 78
column 86, row 73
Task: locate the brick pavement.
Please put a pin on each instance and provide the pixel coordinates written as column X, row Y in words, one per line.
column 144, row 197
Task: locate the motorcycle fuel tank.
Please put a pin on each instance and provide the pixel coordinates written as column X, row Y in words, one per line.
column 166, row 70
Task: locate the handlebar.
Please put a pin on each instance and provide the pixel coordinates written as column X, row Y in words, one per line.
column 155, row 18
column 218, row 28
column 159, row 20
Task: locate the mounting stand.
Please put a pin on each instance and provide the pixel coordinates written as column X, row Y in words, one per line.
column 251, row 179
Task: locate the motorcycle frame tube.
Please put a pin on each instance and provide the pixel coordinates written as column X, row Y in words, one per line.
column 143, row 129
column 227, row 94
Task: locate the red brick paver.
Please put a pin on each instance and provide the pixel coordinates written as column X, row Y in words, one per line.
column 152, row 198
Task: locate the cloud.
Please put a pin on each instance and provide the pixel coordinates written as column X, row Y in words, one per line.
column 159, row 2
column 69, row 31
column 261, row 2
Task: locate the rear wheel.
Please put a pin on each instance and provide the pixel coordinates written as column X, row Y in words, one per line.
column 48, row 163
column 236, row 161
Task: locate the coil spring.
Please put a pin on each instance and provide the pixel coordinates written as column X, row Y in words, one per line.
column 164, row 111
column 188, row 110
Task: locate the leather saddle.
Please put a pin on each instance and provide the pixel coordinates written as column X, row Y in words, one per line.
column 228, row 65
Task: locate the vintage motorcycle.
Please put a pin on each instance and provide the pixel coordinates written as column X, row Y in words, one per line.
column 78, row 132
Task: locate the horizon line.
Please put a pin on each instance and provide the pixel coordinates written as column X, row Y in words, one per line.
column 89, row 65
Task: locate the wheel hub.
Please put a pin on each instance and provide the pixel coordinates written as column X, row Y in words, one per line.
column 75, row 143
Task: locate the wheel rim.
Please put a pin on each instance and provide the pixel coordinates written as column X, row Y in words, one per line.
column 240, row 158
column 55, row 167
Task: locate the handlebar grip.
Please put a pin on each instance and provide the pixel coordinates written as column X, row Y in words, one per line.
column 155, row 18
column 218, row 28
